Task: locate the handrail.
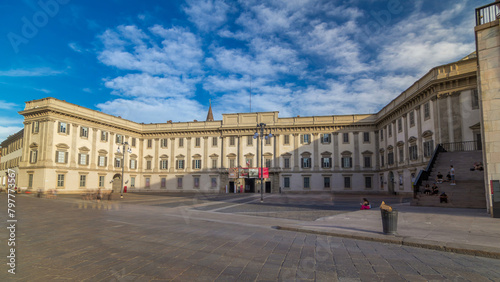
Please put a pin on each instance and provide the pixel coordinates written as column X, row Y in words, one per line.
column 424, row 174
column 487, row 13
column 461, row 146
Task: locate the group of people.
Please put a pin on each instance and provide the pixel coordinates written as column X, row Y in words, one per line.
column 477, row 166
column 450, row 177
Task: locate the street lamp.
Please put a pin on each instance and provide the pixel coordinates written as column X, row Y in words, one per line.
column 123, row 164
column 262, row 127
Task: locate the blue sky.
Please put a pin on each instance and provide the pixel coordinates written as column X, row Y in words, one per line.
column 153, row 61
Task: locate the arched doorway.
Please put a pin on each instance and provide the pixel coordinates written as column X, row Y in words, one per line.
column 117, row 183
column 390, row 182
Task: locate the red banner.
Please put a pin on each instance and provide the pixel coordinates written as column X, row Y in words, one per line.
column 266, row 172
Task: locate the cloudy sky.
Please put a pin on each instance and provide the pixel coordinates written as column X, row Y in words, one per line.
column 153, row 61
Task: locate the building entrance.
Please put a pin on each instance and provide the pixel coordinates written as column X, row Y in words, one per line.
column 231, row 186
column 249, row 185
column 390, row 183
column 117, row 183
column 268, row 187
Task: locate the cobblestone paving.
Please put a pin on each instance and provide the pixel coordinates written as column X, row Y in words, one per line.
column 70, row 239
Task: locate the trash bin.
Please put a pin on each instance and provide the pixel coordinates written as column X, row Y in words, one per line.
column 389, row 221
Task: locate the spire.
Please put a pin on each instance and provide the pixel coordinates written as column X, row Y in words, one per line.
column 210, row 116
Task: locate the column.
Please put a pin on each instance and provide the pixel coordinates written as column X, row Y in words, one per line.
column 420, row 144
column 377, row 150
column 172, row 155
column 336, row 154
column 356, row 151
column 204, row 163
column 222, row 157
column 405, row 128
column 296, row 152
column 73, row 153
column 93, row 150
column 111, row 158
column 315, row 151
column 276, row 151
column 140, row 158
column 156, row 157
column 25, row 156
column 188, row 157
column 396, row 148
column 239, row 160
column 435, row 118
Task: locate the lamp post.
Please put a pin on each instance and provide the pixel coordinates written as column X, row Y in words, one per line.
column 123, row 164
column 262, row 127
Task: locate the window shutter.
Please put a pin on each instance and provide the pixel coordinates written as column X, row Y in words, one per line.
column 79, row 158
column 322, row 159
column 200, row 163
column 57, row 155
column 192, row 166
column 330, row 159
column 31, row 157
column 177, row 164
column 350, row 161
column 87, row 157
column 59, row 127
column 105, row 161
column 65, row 157
column 301, row 138
column 67, row 128
column 302, row 162
column 322, row 138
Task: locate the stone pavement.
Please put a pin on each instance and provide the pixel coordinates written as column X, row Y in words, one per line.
column 466, row 231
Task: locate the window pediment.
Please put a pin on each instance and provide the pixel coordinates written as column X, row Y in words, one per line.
column 346, row 153
column 104, row 152
column 84, row 149
column 62, row 146
column 148, row 157
column 214, row 156
column 326, row 153
column 305, row 154
column 268, row 154
column 231, row 155
column 286, row 154
column 427, row 134
column 367, row 152
column 181, row 156
column 400, row 143
column 197, row 156
column 412, row 139
column 390, row 147
column 34, row 145
column 163, row 156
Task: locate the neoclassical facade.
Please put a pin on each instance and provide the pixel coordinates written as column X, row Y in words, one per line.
column 72, row 148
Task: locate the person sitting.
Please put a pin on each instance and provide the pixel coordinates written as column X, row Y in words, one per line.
column 448, row 177
column 427, row 190
column 366, row 204
column 443, row 198
column 435, row 189
column 478, row 166
column 439, row 178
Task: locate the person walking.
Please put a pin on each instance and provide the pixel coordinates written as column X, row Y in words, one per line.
column 452, row 174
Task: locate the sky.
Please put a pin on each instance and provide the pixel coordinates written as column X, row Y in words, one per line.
column 154, row 61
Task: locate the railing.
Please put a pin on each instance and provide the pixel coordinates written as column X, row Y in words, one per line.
column 488, row 13
column 462, row 146
column 424, row 174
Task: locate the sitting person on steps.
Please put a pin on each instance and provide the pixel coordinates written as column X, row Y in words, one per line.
column 439, row 178
column 435, row 190
column 366, row 204
column 443, row 198
column 427, row 190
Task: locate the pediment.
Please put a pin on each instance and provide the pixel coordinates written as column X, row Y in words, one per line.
column 84, row 149
column 62, row 146
column 427, row 133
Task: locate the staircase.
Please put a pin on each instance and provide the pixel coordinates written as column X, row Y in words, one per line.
column 469, row 189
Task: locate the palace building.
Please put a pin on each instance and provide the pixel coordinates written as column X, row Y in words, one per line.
column 72, row 148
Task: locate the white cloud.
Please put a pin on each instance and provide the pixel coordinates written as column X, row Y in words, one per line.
column 30, row 72
column 75, row 47
column 207, row 15
column 6, row 131
column 6, row 105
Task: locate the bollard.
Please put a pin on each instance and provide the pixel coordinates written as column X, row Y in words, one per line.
column 389, row 221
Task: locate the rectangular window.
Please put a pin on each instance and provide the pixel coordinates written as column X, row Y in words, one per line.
column 382, row 159
column 401, row 155
column 232, row 141
column 60, row 180
column 133, row 164
column 389, row 128
column 63, row 127
column 84, row 132
column 180, row 164
column 268, row 163
column 231, row 163
column 326, row 138
column 249, row 140
column 306, row 162
column 101, row 181
column 163, row 164
column 287, row 162
column 36, row 127
column 164, row 143
column 249, row 162
column 179, row 182
column 181, row 142
column 119, row 139
column 214, row 141
column 428, row 148
column 132, row 181
column 213, row 180
column 33, row 156
column 366, row 137
column 163, row 182
column 367, row 161
column 286, row 182
column 390, row 158
column 83, row 180
column 196, row 182
column 197, row 164
column 413, row 152
column 306, row 182
column 326, row 182
column 102, row 161
column 286, row 139
column 148, row 182
column 427, row 110
column 104, row 136
column 214, row 163
column 150, row 143
column 268, row 140
column 368, row 182
column 400, row 124
column 346, row 162
column 148, row 164
column 347, row 182
column 326, row 162
column 118, row 162
column 197, row 142
column 133, row 142
column 412, row 118
column 345, row 137
column 83, row 159
column 475, row 99
column 381, row 135
column 30, row 180
column 305, row 139
column 61, row 157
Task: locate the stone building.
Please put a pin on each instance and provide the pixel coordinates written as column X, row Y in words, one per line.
column 73, row 148
column 11, row 152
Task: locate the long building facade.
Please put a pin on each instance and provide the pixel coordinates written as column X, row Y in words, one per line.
column 72, row 148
